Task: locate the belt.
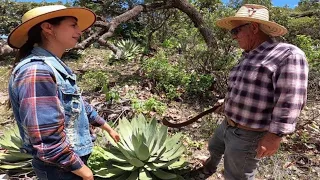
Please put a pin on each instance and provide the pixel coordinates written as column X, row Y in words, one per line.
column 231, row 123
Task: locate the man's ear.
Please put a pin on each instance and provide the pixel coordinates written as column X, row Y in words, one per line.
column 47, row 28
column 255, row 27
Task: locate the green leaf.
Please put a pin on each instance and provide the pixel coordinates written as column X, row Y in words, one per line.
column 123, row 176
column 116, row 157
column 144, row 174
column 180, row 163
column 162, row 135
column 140, row 149
column 170, row 142
column 134, row 175
column 125, row 167
column 108, row 172
column 176, row 154
column 136, row 162
column 163, row 175
column 14, row 157
column 150, row 132
column 125, row 131
column 17, row 165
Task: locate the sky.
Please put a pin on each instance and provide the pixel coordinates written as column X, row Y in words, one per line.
column 291, row 3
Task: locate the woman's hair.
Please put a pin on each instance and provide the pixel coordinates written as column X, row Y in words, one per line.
column 34, row 37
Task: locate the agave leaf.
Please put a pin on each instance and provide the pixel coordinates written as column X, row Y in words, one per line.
column 141, row 150
column 144, row 174
column 17, row 165
column 163, row 174
column 116, row 157
column 14, row 157
column 108, row 172
column 142, row 123
column 170, row 142
column 180, row 163
column 176, row 154
column 134, row 175
column 127, row 153
column 125, row 131
column 162, row 135
column 123, row 176
column 151, row 131
column 125, row 167
column 135, row 126
column 136, row 162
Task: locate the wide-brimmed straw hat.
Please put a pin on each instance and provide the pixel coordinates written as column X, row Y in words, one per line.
column 253, row 13
column 19, row 36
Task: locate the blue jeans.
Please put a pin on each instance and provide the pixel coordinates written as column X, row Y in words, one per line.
column 238, row 147
column 46, row 171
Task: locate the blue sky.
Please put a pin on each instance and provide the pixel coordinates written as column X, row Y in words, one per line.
column 291, row 3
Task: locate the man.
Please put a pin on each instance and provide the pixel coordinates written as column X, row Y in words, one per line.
column 266, row 92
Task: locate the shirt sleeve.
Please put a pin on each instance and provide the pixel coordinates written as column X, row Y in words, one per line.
column 93, row 116
column 290, row 82
column 43, row 117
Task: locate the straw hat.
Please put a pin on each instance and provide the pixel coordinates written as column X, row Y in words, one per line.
column 253, row 13
column 19, row 36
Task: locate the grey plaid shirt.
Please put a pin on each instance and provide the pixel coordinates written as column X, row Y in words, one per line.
column 268, row 87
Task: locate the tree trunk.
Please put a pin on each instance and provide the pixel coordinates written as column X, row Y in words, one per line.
column 197, row 19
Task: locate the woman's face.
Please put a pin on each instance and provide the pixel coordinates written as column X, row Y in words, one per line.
column 66, row 34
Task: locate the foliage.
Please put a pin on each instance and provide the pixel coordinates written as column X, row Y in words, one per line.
column 173, row 79
column 12, row 161
column 144, row 152
column 149, row 105
column 111, row 95
column 12, row 11
column 130, row 49
column 93, row 80
column 310, row 48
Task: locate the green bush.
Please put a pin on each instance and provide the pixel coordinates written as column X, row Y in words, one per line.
column 144, row 152
column 149, row 105
column 173, row 79
column 93, row 80
column 309, row 46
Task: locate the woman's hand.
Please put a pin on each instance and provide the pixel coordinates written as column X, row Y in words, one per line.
column 115, row 136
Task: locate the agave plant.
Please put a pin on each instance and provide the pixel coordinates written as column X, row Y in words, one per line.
column 144, row 152
column 129, row 49
column 12, row 161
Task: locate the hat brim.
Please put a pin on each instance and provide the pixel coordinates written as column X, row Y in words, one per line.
column 270, row 28
column 19, row 36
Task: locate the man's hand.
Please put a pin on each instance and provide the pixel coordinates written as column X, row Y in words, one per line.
column 268, row 145
column 115, row 136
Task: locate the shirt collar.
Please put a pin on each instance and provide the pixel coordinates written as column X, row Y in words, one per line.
column 265, row 45
column 42, row 52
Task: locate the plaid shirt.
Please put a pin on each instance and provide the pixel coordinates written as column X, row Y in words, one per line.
column 268, row 87
column 37, row 107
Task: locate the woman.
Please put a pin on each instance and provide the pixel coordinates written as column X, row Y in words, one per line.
column 52, row 117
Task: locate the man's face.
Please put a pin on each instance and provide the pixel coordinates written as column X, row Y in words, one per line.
column 243, row 34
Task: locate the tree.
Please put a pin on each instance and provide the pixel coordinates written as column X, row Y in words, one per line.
column 125, row 11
